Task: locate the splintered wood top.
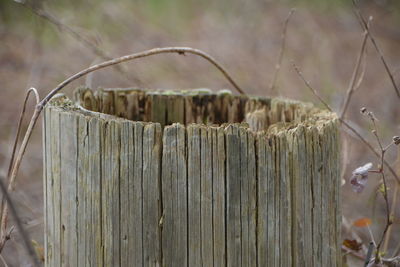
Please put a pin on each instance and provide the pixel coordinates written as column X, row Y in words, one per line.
column 201, row 106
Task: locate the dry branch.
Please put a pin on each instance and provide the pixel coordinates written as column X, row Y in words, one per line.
column 352, row 129
column 281, row 52
column 378, row 50
column 353, row 85
column 4, row 235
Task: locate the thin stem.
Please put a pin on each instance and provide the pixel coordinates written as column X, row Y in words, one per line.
column 385, row 196
column 348, row 126
column 371, row 37
column 352, row 84
column 4, row 208
column 281, row 52
column 21, row 116
column 23, row 233
column 394, row 201
column 297, row 69
column 154, row 51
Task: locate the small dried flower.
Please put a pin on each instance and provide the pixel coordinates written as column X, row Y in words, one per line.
column 396, row 140
column 363, row 110
column 360, row 177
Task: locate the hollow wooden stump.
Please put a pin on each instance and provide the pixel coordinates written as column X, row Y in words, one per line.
column 190, row 178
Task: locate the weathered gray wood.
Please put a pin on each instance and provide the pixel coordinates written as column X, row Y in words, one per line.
column 130, row 193
column 110, row 188
column 151, row 194
column 206, row 182
column 218, row 168
column 194, row 195
column 248, row 196
column 126, row 179
column 96, row 134
column 55, row 141
column 135, row 238
column 174, row 191
column 233, row 216
column 83, row 194
column 49, row 240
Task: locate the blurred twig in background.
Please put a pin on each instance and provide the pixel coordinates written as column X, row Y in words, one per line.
column 372, row 38
column 272, row 87
column 62, row 27
column 17, row 220
column 353, row 85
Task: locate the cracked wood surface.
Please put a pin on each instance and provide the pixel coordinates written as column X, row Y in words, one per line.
column 189, row 178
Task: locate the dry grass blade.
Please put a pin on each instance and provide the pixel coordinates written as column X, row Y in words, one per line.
column 378, row 50
column 281, row 52
column 353, row 85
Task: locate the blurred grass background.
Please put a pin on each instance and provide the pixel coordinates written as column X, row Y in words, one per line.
column 323, row 39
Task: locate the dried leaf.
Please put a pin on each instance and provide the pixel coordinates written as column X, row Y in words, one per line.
column 352, row 244
column 363, row 222
column 360, row 177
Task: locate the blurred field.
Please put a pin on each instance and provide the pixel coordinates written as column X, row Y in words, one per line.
column 245, row 36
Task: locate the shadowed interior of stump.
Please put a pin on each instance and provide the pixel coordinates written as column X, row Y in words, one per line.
column 198, row 106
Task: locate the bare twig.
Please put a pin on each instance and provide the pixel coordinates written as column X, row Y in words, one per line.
column 352, row 84
column 352, row 129
column 297, row 69
column 281, row 52
column 4, row 208
column 378, row 50
column 381, row 171
column 23, row 233
column 392, row 212
column 39, row 11
column 21, row 116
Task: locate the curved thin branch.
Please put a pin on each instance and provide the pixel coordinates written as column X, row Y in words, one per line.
column 179, row 50
column 21, row 116
column 155, row 51
column 41, row 104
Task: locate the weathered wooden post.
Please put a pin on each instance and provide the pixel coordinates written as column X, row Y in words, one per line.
column 190, row 178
